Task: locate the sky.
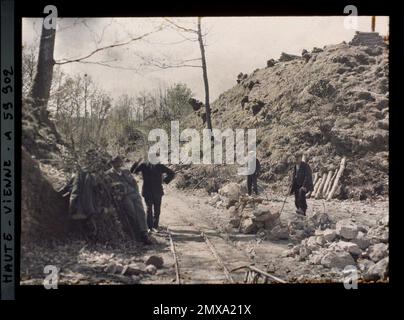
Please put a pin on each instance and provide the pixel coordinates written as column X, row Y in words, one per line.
column 233, row 45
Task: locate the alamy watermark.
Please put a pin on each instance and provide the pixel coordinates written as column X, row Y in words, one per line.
column 52, row 278
column 350, row 277
column 240, row 147
column 351, row 21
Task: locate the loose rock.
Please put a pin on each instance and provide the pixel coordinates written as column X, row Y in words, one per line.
column 155, row 261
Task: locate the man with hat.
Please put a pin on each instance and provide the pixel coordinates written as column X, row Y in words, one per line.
column 125, row 192
column 154, row 174
column 252, row 178
column 302, row 183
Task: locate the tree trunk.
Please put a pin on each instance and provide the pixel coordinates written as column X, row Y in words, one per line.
column 205, row 76
column 43, row 78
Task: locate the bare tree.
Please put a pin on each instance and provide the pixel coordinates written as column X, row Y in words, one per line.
column 194, row 35
column 43, row 78
column 205, row 75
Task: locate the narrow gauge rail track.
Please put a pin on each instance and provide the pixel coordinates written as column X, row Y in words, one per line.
column 205, row 264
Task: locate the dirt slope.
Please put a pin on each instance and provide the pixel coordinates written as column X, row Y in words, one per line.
column 330, row 103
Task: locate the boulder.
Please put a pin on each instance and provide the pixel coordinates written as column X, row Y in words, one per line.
column 232, row 210
column 132, row 269
column 378, row 251
column 347, row 229
column 364, row 264
column 304, row 252
column 151, row 269
column 287, row 57
column 329, row 235
column 297, row 236
column 279, row 232
column 321, row 220
column 114, row 268
column 378, row 234
column 377, row 271
column 350, row 247
column 287, row 253
column 261, row 212
column 311, row 243
column 315, row 257
column 296, row 249
column 156, row 261
column 362, row 240
column 337, row 259
column 320, row 240
column 248, row 226
column 234, row 221
column 226, row 202
column 306, row 56
column 215, row 199
column 231, row 190
column 317, row 50
column 270, row 63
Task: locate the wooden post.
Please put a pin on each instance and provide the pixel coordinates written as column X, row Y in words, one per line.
column 318, row 193
column 315, row 178
column 335, row 185
column 314, row 184
column 331, row 183
column 317, row 186
column 326, row 184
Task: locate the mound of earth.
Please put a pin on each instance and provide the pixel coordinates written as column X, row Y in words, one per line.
column 330, row 103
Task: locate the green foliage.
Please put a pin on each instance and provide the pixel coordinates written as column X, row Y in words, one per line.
column 178, row 96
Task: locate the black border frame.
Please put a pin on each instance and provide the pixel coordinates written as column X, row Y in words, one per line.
column 221, row 294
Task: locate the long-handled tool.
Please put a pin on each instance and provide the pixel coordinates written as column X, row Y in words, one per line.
column 284, row 201
column 287, row 194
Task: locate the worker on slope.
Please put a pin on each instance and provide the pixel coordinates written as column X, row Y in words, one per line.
column 302, row 183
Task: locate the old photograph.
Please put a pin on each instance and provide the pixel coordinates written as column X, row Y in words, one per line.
column 205, row 150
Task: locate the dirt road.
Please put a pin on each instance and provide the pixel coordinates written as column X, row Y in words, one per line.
column 187, row 213
column 189, row 218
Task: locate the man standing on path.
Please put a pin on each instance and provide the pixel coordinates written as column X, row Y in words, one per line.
column 152, row 189
column 302, row 183
column 252, row 184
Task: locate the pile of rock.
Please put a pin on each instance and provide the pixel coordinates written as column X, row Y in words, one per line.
column 287, row 57
column 247, row 214
column 348, row 245
column 301, row 227
column 367, row 39
column 253, row 215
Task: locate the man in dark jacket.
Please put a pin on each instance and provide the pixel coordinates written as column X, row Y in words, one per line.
column 152, row 189
column 252, row 178
column 126, row 196
column 302, row 183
